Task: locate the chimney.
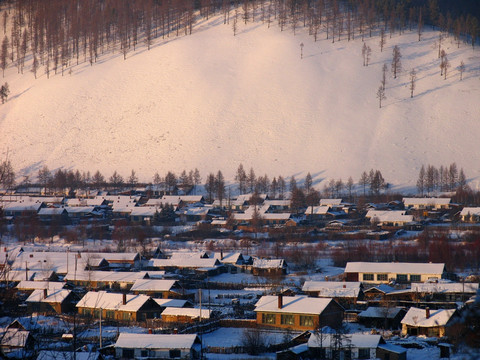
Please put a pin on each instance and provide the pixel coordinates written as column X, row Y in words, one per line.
column 124, row 299
column 280, row 301
column 45, row 293
column 175, row 331
column 150, row 331
column 344, row 286
column 221, row 254
column 427, row 313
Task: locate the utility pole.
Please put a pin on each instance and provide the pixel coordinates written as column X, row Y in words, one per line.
column 100, row 328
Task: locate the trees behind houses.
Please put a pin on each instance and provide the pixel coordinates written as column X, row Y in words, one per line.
column 396, row 61
column 445, row 178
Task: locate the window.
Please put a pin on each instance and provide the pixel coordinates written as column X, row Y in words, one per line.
column 306, row 320
column 268, row 318
column 126, row 316
column 110, row 314
column 415, row 278
column 367, row 277
column 128, row 353
column 174, row 353
column 288, row 319
column 382, row 277
column 364, row 353
column 96, row 313
column 87, row 312
column 402, row 277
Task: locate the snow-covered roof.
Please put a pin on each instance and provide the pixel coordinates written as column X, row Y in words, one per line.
column 22, row 206
column 317, row 340
column 330, row 202
column 112, row 256
column 85, row 202
column 51, row 211
column 317, row 210
column 106, row 276
column 112, row 301
column 445, row 288
column 382, row 288
column 378, row 213
column 193, row 313
column 189, row 262
column 400, row 268
column 152, row 285
column 156, row 341
column 333, row 288
column 14, row 337
column 53, row 296
column 417, row 317
column 389, row 216
column 292, row 304
column 39, row 285
column 268, row 263
column 228, row 258
column 470, row 211
column 426, row 201
column 380, row 312
column 143, row 211
column 171, row 302
column 80, row 209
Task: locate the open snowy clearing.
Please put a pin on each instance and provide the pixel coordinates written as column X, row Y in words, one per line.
column 213, row 100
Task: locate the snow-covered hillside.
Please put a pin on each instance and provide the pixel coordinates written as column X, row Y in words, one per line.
column 212, row 100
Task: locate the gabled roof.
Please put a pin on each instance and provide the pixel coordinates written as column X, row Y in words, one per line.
column 330, row 202
column 317, row 340
column 85, row 202
column 292, row 304
column 51, row 211
column 156, row 341
column 193, row 313
column 269, row 263
column 53, row 296
column 106, row 276
column 317, row 210
column 143, row 211
column 383, row 288
column 333, row 288
column 229, row 258
column 399, row 268
column 470, row 211
column 189, row 262
column 179, row 303
column 112, row 301
column 445, row 288
column 22, row 206
column 14, row 338
column 152, row 285
column 426, row 201
column 381, row 312
column 417, row 317
column 40, row 285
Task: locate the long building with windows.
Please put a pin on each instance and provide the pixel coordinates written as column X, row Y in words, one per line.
column 298, row 312
column 384, row 272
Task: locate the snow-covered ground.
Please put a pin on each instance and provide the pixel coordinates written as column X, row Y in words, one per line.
column 213, row 100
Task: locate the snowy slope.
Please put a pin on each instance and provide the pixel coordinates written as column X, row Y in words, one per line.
column 213, row 101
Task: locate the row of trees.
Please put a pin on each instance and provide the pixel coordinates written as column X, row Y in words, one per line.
column 445, row 178
column 56, row 34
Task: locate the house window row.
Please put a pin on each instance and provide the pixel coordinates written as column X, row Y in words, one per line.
column 384, row 277
column 306, row 320
column 268, row 318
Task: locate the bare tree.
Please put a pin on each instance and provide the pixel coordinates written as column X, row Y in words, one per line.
column 382, row 39
column 396, row 62
column 384, row 75
column 7, row 175
column 381, row 95
column 4, row 54
column 461, row 69
column 413, row 78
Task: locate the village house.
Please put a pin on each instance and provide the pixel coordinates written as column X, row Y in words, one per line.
column 427, row 203
column 345, row 293
column 382, row 317
column 431, row 323
column 268, row 267
column 377, row 293
column 352, row 346
column 142, row 215
column 389, row 218
column 165, row 289
column 79, row 213
column 444, row 291
column 470, row 215
column 185, row 315
column 53, row 216
column 188, row 265
column 99, row 280
column 120, row 307
column 117, row 260
column 21, row 209
column 59, row 301
column 158, row 346
column 14, row 339
column 298, row 312
column 383, row 272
